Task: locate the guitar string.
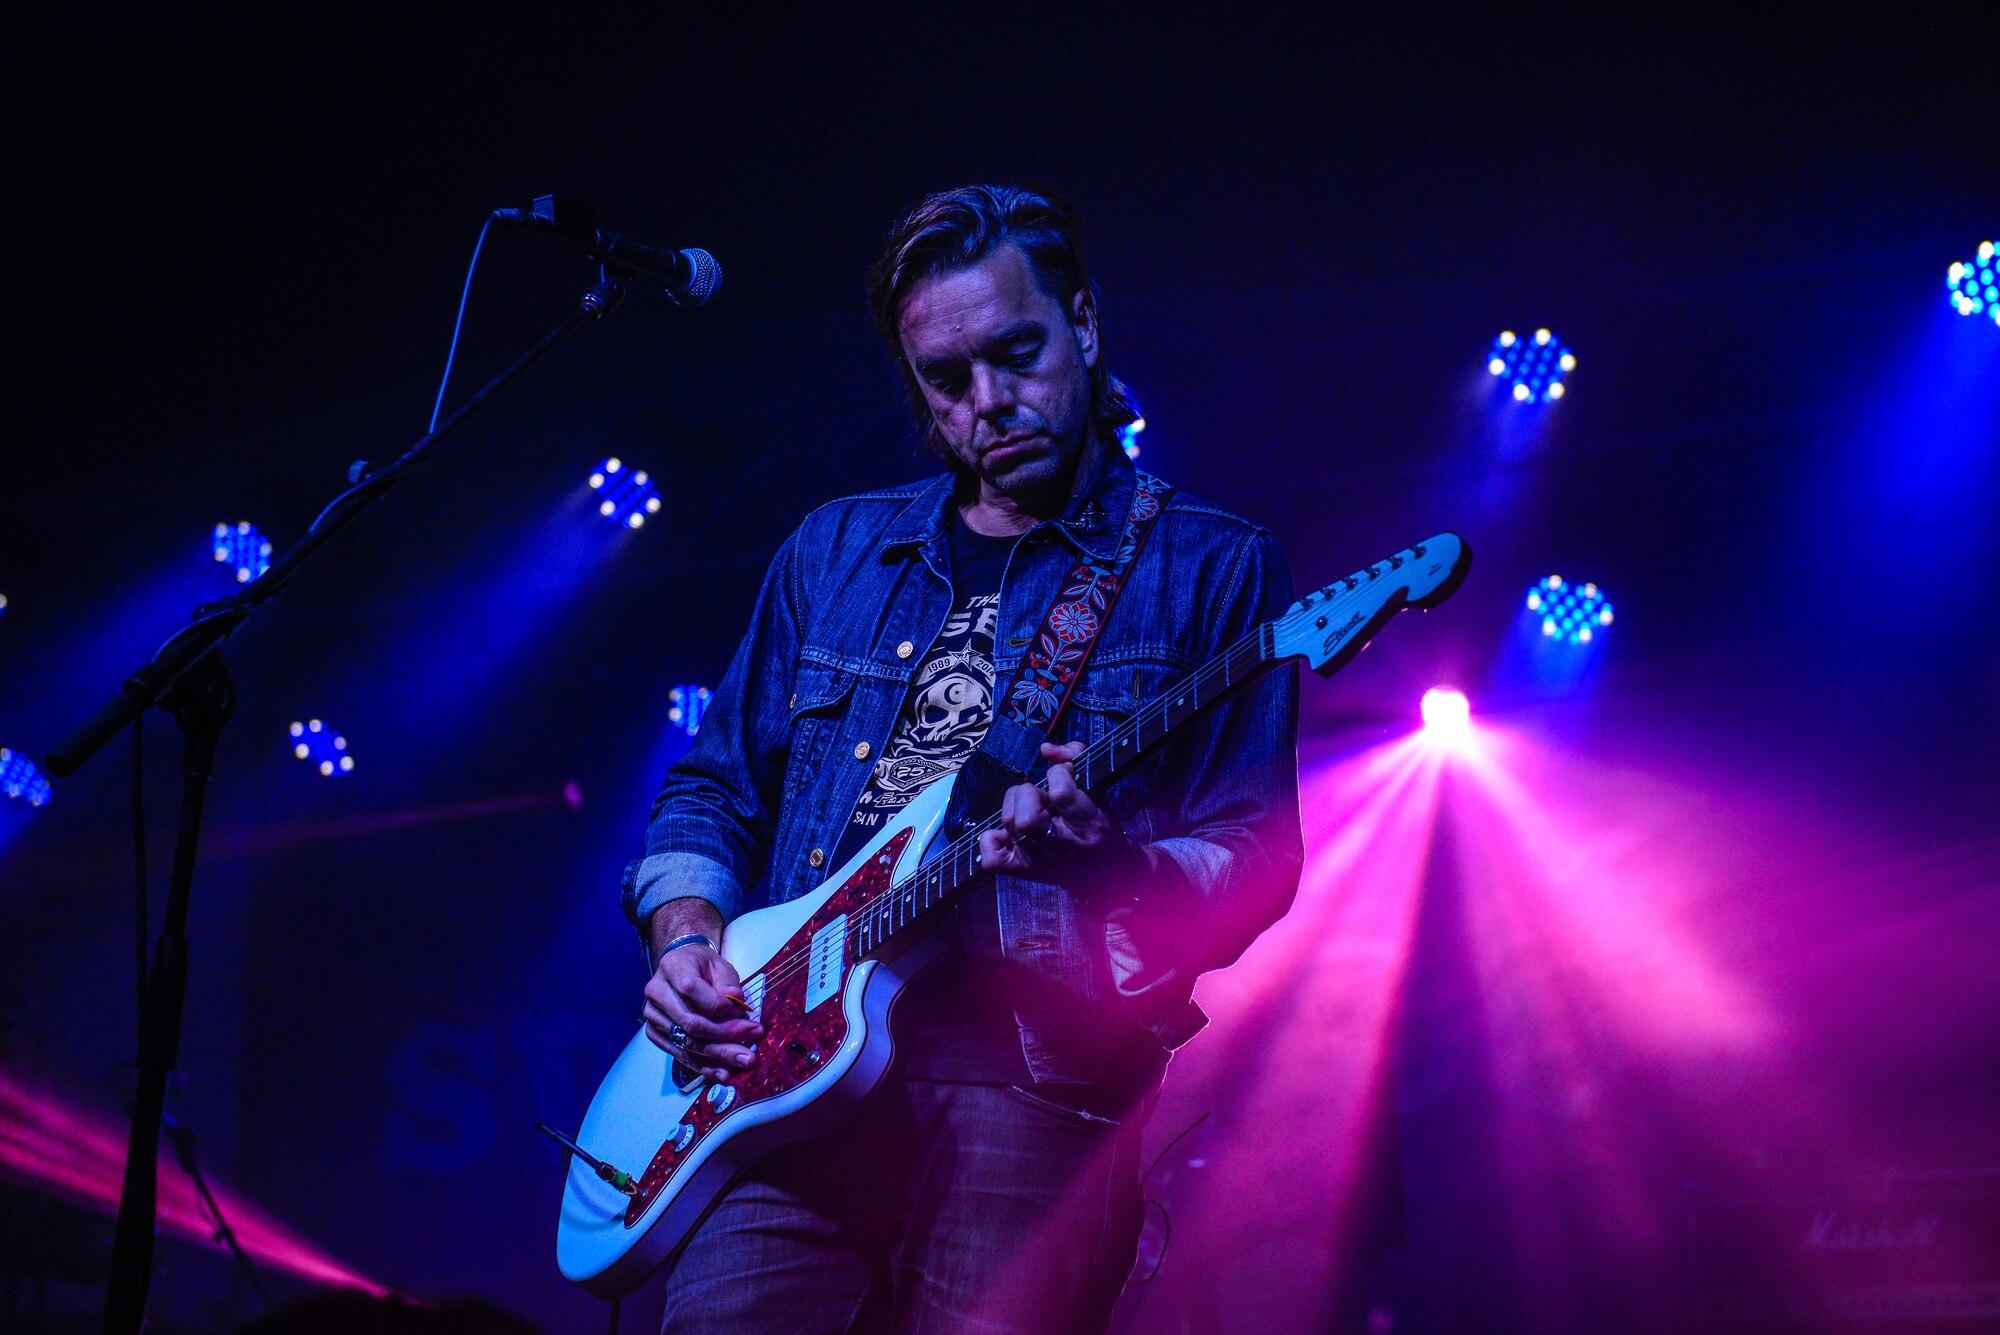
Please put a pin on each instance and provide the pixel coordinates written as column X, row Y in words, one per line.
column 1222, row 664
column 878, row 911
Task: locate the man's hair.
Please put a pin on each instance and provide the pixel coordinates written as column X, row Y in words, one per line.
column 955, row 229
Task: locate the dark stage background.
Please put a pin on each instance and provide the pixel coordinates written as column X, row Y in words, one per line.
column 1712, row 917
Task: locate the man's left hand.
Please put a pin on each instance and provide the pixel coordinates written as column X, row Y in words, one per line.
column 1061, row 836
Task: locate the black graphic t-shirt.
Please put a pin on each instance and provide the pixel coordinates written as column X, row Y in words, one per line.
column 955, row 1022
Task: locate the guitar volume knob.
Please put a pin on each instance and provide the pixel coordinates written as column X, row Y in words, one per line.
column 721, row 1097
column 680, row 1137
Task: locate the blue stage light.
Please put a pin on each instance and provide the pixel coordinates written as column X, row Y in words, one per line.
column 1975, row 286
column 686, row 705
column 20, row 779
column 629, row 495
column 1572, row 613
column 242, row 546
column 1128, row 436
column 321, row 747
column 1533, row 367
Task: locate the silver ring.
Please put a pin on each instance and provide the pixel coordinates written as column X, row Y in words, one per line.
column 677, row 1035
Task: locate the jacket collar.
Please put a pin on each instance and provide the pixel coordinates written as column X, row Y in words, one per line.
column 1092, row 523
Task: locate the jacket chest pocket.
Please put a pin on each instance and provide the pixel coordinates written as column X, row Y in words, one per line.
column 1105, row 701
column 819, row 699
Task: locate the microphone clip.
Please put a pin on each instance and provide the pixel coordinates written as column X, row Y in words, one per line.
column 571, row 219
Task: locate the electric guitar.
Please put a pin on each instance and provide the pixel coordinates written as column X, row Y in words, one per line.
column 822, row 972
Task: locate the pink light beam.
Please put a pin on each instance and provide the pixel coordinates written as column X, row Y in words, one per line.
column 82, row 1158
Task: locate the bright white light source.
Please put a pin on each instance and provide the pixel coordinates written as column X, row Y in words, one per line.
column 1128, row 436
column 321, row 747
column 627, row 493
column 1975, row 287
column 1571, row 613
column 1447, row 715
column 244, row 547
column 1536, row 366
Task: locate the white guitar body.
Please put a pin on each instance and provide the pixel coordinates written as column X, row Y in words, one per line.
column 822, row 973
column 639, row 1104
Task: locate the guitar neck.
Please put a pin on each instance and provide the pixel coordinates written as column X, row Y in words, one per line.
column 956, row 869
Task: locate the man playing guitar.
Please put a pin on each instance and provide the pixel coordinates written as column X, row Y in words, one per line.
column 991, row 1182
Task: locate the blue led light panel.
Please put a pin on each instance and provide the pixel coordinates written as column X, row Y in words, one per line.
column 627, row 495
column 1975, row 286
column 1572, row 613
column 322, row 748
column 686, row 705
column 21, row 780
column 1533, row 368
column 242, row 546
column 1128, row 436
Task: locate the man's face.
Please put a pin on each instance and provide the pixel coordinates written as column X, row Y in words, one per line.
column 1004, row 368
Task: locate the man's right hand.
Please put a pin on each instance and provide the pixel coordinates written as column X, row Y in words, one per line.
column 697, row 989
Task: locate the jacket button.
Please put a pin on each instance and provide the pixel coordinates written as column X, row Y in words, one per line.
column 861, row 750
column 905, row 649
column 817, row 857
column 795, row 699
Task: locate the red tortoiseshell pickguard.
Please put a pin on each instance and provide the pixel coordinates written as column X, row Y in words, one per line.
column 791, row 1033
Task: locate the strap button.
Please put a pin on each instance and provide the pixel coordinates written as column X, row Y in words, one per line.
column 817, row 857
column 905, row 649
column 861, row 750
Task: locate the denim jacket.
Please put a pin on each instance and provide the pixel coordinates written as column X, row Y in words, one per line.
column 851, row 603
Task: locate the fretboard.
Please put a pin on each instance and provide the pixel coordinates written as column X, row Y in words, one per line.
column 955, row 869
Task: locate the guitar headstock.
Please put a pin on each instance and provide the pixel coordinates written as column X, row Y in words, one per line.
column 1329, row 626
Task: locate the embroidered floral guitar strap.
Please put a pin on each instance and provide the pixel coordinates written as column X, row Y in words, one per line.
column 1057, row 652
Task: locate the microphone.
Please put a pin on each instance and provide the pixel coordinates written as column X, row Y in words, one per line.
column 690, row 277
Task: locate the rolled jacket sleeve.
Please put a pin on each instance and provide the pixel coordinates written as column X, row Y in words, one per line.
column 709, row 835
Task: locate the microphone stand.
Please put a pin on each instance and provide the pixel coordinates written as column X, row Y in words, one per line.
column 184, row 1142
column 186, row 677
